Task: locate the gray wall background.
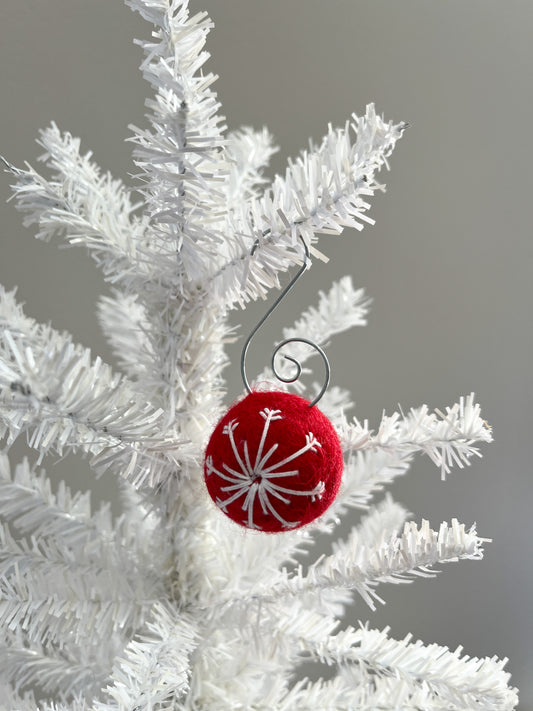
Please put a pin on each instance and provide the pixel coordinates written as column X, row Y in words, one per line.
column 448, row 264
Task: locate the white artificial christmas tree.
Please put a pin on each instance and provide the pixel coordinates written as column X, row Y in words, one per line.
column 173, row 606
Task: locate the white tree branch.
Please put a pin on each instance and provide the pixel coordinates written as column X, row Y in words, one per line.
column 85, row 206
column 400, row 559
column 248, row 152
column 155, row 667
column 50, row 389
column 50, row 589
column 123, row 321
column 181, row 158
column 324, row 190
column 446, row 438
column 67, row 670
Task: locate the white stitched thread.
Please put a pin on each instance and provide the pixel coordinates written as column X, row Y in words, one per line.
column 257, row 481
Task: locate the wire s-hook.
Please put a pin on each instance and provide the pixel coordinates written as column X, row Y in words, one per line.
column 287, row 340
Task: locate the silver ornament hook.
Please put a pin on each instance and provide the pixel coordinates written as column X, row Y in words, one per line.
column 287, row 340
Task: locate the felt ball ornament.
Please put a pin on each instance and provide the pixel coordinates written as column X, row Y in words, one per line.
column 273, row 463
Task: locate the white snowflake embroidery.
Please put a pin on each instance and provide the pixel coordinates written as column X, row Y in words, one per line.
column 256, row 481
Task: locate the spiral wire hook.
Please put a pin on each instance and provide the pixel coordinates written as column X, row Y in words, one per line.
column 298, row 365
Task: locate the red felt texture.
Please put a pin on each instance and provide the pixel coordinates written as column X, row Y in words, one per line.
column 273, row 463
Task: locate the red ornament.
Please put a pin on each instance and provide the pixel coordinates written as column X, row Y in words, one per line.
column 273, row 463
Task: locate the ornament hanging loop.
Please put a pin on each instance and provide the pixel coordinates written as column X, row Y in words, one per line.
column 281, row 378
